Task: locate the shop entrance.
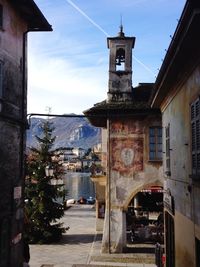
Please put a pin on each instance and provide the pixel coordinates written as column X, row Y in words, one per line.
column 145, row 222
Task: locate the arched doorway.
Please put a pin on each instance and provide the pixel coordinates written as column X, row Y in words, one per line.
column 144, row 219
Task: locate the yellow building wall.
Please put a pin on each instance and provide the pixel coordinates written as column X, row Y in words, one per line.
column 184, row 190
column 184, row 241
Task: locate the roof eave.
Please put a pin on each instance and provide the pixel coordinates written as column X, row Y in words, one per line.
column 98, row 116
column 30, row 12
column 180, row 49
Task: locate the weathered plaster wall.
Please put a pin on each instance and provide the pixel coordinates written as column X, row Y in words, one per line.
column 11, row 132
column 185, row 248
column 129, row 171
column 115, row 44
column 176, row 112
column 129, row 154
column 11, row 44
column 120, row 82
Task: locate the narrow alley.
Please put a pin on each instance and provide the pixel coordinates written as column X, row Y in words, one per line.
column 81, row 246
column 76, row 243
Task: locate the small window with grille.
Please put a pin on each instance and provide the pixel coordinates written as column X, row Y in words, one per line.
column 155, row 143
column 195, row 134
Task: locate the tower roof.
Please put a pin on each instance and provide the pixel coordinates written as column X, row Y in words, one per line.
column 139, row 106
column 121, row 33
column 121, row 36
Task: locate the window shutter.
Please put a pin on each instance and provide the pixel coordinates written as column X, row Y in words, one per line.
column 195, row 135
column 167, row 140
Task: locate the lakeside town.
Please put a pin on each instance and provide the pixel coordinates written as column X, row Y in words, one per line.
column 81, row 160
column 145, row 169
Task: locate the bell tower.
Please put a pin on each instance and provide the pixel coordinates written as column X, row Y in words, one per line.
column 120, row 67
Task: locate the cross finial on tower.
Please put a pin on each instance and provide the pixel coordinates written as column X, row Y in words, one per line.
column 121, row 33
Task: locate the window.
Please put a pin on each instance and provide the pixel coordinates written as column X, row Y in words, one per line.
column 155, row 143
column 167, row 140
column 1, row 16
column 120, row 59
column 195, row 129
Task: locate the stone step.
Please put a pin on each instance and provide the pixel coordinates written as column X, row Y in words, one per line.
column 102, row 265
column 95, row 265
column 124, row 258
column 106, row 264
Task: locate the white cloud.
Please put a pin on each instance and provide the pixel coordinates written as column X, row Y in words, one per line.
column 68, row 68
column 64, row 85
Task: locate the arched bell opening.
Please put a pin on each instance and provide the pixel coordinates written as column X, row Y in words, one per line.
column 144, row 219
column 120, row 59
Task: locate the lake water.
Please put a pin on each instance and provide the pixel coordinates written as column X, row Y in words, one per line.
column 78, row 185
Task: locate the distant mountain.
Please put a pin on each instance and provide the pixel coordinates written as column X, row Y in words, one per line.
column 69, row 132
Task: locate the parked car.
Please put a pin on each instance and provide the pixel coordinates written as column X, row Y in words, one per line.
column 90, row 200
column 82, row 200
column 71, row 201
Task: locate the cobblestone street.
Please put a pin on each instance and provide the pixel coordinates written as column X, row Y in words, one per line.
column 76, row 243
column 80, row 245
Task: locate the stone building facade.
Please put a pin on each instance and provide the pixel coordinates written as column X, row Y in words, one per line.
column 177, row 94
column 17, row 18
column 134, row 149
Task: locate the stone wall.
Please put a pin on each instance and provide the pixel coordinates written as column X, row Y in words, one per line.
column 12, row 110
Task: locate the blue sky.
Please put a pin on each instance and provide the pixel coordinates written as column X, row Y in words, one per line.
column 68, row 68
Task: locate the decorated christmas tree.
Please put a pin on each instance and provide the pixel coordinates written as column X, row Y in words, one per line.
column 44, row 190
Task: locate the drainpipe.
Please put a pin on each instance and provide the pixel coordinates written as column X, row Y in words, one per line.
column 23, row 107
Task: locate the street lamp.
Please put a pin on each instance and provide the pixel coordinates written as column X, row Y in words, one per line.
column 49, row 171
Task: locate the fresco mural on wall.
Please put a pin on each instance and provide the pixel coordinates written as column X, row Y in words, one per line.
column 126, row 127
column 127, row 155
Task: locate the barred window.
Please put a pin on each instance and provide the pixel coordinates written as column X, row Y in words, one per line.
column 155, row 143
column 195, row 129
